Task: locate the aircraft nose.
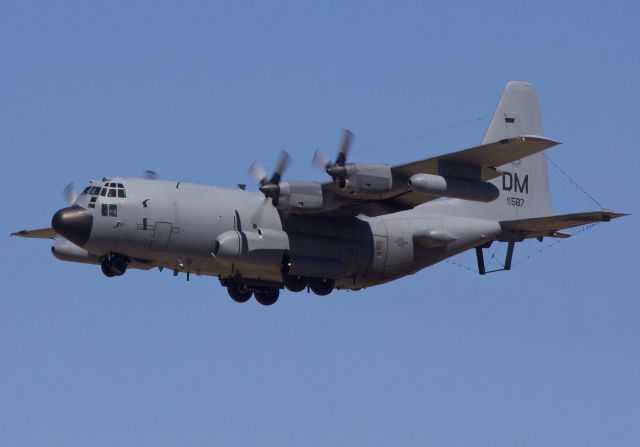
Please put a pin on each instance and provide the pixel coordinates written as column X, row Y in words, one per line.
column 73, row 223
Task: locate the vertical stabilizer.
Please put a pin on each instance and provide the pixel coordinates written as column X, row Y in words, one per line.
column 524, row 184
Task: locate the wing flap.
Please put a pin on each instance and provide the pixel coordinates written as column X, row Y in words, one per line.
column 43, row 233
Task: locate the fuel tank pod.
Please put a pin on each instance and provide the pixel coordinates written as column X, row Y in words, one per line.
column 475, row 190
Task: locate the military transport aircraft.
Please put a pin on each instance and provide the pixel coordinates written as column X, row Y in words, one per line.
column 370, row 224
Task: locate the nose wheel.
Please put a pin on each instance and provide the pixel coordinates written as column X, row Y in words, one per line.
column 114, row 266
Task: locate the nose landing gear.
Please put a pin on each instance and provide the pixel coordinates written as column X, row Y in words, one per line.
column 114, row 265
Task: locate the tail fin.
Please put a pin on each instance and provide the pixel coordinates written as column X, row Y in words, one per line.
column 524, row 185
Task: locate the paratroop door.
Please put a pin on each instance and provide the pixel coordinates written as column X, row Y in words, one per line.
column 161, row 235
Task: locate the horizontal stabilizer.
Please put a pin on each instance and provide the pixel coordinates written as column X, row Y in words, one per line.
column 551, row 225
column 44, row 233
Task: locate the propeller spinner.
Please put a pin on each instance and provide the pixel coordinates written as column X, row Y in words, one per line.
column 336, row 169
column 270, row 187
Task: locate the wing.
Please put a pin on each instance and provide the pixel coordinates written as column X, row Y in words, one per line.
column 44, row 233
column 480, row 162
column 475, row 163
column 550, row 226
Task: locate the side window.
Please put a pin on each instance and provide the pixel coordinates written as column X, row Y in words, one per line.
column 103, row 192
column 109, row 210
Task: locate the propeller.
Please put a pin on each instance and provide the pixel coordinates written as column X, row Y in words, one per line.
column 70, row 194
column 270, row 187
column 336, row 169
column 150, row 175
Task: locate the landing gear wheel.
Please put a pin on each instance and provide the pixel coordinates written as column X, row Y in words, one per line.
column 321, row 286
column 239, row 292
column 104, row 265
column 267, row 297
column 116, row 266
column 295, row 283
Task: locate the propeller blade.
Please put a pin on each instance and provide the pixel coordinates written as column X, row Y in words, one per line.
column 70, row 194
column 344, row 148
column 257, row 172
column 151, row 175
column 257, row 216
column 283, row 162
column 320, row 160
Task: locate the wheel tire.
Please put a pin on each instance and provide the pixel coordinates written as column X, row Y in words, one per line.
column 295, row 283
column 322, row 286
column 239, row 292
column 267, row 297
column 106, row 269
column 118, row 266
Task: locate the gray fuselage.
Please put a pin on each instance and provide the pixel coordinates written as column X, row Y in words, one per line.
column 177, row 225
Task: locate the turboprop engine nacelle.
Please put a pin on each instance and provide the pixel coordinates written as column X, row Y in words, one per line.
column 366, row 180
column 456, row 188
column 66, row 251
column 300, row 196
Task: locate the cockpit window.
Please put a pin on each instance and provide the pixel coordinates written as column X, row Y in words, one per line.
column 109, row 189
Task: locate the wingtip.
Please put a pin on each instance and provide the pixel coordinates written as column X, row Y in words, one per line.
column 549, row 141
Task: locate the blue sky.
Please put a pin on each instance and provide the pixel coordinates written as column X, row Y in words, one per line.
column 547, row 354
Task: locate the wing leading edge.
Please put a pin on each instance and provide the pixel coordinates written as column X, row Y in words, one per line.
column 484, row 158
column 44, row 233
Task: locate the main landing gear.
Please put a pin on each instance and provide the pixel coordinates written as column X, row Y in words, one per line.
column 319, row 286
column 241, row 292
column 267, row 295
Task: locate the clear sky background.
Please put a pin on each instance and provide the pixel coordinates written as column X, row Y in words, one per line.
column 545, row 355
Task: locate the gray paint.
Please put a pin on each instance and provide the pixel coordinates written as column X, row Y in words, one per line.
column 362, row 229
